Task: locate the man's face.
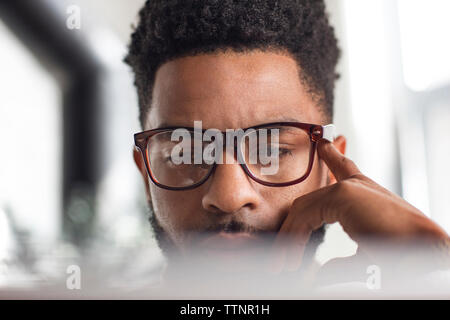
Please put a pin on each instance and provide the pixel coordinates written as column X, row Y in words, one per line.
column 228, row 91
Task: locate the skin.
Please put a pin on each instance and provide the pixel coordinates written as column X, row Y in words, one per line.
column 240, row 90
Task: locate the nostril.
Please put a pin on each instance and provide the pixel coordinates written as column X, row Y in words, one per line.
column 217, row 210
column 213, row 208
column 249, row 205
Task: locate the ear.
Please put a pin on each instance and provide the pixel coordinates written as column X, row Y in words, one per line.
column 341, row 144
column 137, row 155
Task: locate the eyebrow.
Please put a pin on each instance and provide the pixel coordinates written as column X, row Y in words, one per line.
column 276, row 120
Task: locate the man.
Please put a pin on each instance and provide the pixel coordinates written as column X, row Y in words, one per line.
column 244, row 64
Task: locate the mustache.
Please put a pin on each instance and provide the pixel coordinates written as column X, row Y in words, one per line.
column 235, row 226
column 232, row 226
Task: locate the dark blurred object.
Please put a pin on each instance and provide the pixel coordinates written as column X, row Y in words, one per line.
column 42, row 28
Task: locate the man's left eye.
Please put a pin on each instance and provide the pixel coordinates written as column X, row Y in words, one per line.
column 284, row 152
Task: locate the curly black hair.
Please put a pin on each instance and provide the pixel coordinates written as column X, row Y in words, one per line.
column 170, row 29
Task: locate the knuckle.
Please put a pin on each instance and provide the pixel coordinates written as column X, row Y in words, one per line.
column 357, row 178
column 297, row 203
column 344, row 187
column 346, row 161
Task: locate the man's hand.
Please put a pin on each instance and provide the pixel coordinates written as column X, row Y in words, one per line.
column 363, row 208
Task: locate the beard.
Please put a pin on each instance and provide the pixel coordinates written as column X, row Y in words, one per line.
column 171, row 252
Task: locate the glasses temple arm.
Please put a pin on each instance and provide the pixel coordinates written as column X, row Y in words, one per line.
column 329, row 132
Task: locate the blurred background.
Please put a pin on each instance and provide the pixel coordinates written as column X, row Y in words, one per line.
column 68, row 110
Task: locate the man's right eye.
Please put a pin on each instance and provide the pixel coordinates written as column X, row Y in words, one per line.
column 168, row 159
column 284, row 152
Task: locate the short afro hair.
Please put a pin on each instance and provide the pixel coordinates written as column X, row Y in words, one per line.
column 170, row 29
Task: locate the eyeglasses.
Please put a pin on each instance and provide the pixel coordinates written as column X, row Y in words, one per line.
column 287, row 147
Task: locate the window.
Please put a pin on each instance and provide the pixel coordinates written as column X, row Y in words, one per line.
column 30, row 179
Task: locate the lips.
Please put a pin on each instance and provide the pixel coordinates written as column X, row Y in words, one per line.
column 230, row 252
column 225, row 241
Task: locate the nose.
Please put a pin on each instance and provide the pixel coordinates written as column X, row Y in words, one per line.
column 230, row 190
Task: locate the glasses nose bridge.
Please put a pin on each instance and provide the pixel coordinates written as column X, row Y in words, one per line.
column 228, row 144
column 235, row 140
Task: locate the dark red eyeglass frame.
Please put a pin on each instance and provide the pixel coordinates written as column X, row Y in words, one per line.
column 314, row 131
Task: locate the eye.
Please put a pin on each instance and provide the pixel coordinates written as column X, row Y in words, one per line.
column 271, row 149
column 167, row 159
column 284, row 152
column 202, row 165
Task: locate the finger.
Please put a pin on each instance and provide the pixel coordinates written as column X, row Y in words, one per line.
column 303, row 218
column 296, row 249
column 341, row 166
column 289, row 248
column 344, row 168
column 278, row 258
column 282, row 248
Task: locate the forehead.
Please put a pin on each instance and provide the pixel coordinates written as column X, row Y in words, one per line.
column 230, row 90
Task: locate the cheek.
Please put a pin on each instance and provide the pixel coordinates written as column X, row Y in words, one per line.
column 176, row 210
column 279, row 200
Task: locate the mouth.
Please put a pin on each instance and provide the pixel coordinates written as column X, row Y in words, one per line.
column 233, row 244
column 225, row 241
column 231, row 252
column 231, row 241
